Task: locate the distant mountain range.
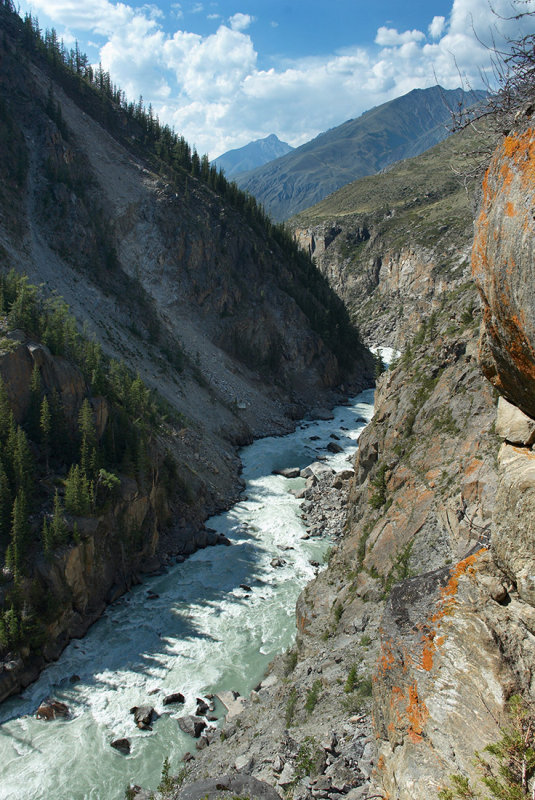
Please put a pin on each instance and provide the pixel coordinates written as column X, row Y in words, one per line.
column 399, row 129
column 252, row 155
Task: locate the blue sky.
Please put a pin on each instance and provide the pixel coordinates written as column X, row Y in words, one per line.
column 225, row 72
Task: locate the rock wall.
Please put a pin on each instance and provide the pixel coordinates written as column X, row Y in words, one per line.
column 456, row 643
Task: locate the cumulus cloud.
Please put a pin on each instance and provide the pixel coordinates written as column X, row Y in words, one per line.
column 212, row 90
column 389, row 37
column 436, row 27
column 240, row 22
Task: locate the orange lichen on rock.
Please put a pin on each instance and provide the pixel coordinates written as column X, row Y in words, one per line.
column 447, row 594
column 409, row 712
column 387, row 658
column 510, row 210
column 417, row 714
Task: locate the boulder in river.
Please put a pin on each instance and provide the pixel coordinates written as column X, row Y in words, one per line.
column 287, row 472
column 52, row 709
column 321, row 413
column 202, row 707
column 122, row 745
column 192, row 725
column 277, row 562
column 175, row 697
column 143, row 716
column 332, row 447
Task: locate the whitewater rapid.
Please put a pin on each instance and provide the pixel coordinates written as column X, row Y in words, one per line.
column 204, row 633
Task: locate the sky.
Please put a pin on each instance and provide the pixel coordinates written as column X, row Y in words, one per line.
column 223, row 73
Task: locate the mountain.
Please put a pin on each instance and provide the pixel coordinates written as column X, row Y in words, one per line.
column 393, row 131
column 152, row 319
column 252, row 155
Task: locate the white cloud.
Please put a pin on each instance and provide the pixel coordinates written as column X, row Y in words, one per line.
column 389, row 37
column 240, row 22
column 436, row 27
column 212, row 90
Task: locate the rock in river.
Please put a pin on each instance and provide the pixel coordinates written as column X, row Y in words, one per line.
column 192, row 725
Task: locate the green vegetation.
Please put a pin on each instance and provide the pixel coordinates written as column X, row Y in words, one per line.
column 509, row 772
column 313, row 696
column 290, row 661
column 400, row 570
column 290, row 706
column 308, row 759
column 379, row 497
column 358, row 689
column 53, row 462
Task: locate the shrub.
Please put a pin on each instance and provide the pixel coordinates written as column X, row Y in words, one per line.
column 290, row 706
column 508, row 775
column 313, row 696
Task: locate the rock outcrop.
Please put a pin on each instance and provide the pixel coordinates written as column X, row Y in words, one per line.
column 503, row 258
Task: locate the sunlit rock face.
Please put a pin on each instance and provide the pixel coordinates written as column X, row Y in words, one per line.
column 504, row 269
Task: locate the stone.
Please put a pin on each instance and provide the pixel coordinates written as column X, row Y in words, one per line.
column 143, row 717
column 122, row 745
column 202, row 707
column 244, row 763
column 52, row 709
column 175, row 697
column 238, row 785
column 192, row 725
column 332, row 447
column 232, row 702
column 278, row 763
column 277, row 562
column 321, row 414
column 287, row 472
column 287, row 776
column 513, row 425
column 513, row 520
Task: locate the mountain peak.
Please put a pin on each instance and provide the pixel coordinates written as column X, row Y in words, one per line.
column 252, row 155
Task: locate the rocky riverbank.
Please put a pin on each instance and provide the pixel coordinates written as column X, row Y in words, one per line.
column 307, row 727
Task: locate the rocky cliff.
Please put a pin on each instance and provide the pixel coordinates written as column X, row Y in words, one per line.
column 428, row 593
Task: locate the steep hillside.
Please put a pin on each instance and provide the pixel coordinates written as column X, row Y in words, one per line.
column 427, row 601
column 252, row 155
column 392, row 244
column 178, row 278
column 395, row 130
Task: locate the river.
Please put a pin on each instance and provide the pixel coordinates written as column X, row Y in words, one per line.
column 204, row 633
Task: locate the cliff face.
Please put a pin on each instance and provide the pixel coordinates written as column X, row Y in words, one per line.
column 455, row 642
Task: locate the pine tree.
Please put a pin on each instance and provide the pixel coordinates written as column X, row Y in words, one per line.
column 22, row 462
column 6, row 412
column 45, row 420
column 19, row 535
column 46, row 536
column 6, row 504
column 35, row 402
column 58, row 529
column 89, row 439
column 77, row 492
